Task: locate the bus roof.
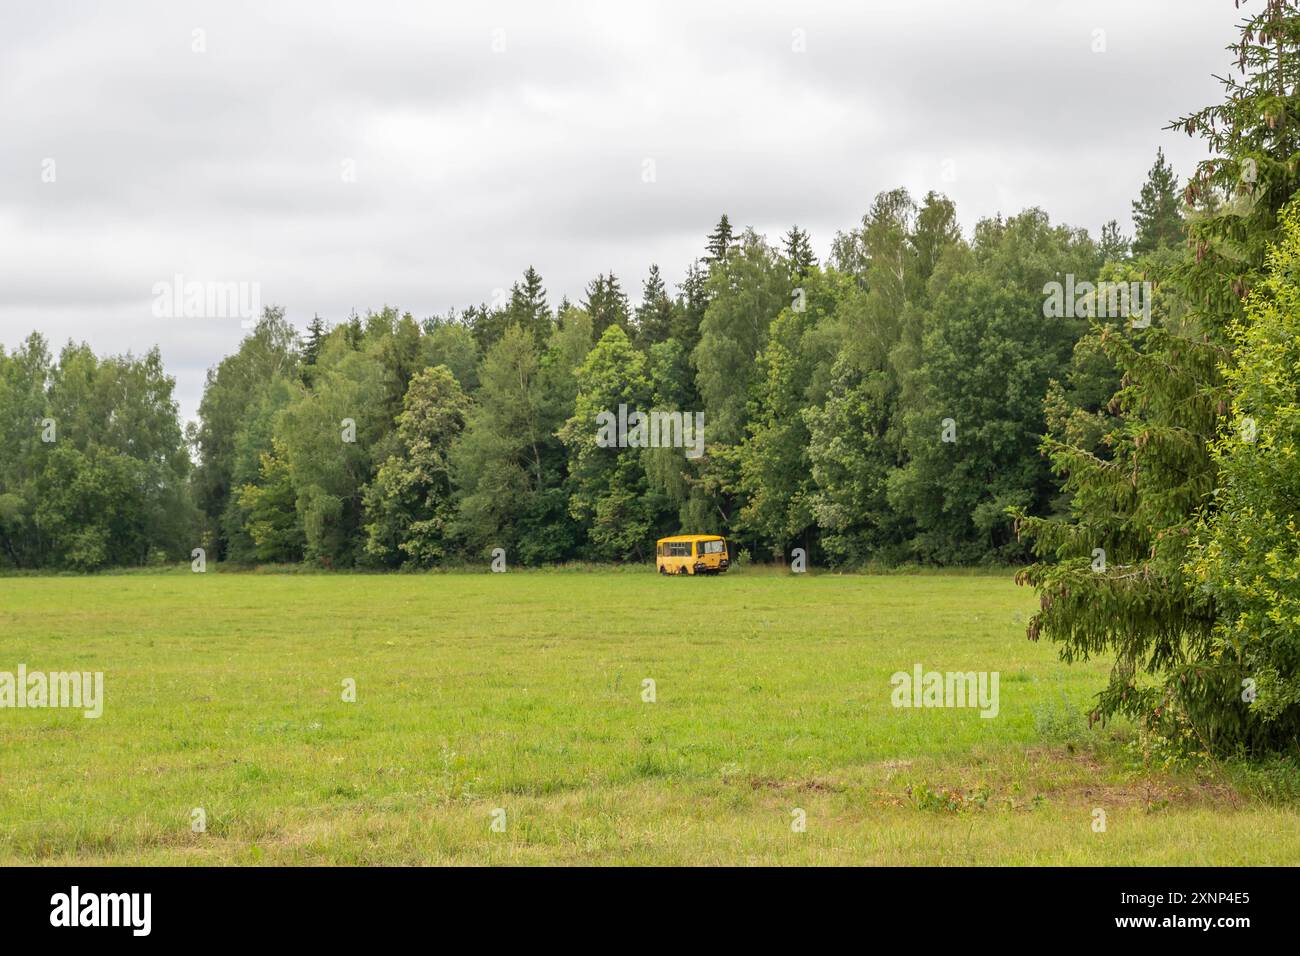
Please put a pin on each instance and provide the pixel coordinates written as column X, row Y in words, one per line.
column 691, row 537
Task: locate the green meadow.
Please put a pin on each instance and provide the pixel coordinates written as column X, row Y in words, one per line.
column 507, row 719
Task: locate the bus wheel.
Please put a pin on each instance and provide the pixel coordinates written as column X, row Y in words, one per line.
column 663, row 570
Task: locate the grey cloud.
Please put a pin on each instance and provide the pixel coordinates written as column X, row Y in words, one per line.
column 471, row 165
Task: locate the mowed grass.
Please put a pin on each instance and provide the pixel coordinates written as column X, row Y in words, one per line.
column 524, row 692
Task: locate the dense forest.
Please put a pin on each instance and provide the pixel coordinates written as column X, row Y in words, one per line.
column 886, row 405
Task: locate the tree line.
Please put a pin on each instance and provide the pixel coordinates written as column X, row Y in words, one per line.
column 824, row 389
column 383, row 442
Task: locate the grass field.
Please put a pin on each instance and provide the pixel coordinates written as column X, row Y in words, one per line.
column 523, row 692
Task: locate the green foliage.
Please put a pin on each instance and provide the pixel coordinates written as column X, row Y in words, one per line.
column 794, row 375
column 1246, row 555
column 329, row 436
column 746, row 290
column 409, row 503
column 528, row 307
column 317, row 331
column 1142, row 495
column 654, row 316
column 507, row 465
column 270, row 515
column 989, row 354
column 721, row 241
column 233, row 388
column 852, row 452
column 95, row 472
column 857, row 432
column 609, row 493
column 799, row 253
column 451, row 344
column 813, row 383
column 606, row 303
column 1157, row 214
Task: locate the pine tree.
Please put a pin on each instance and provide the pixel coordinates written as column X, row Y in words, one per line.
column 317, row 330
column 1113, row 580
column 721, row 241
column 798, row 250
column 688, row 310
column 528, row 306
column 1156, row 215
column 606, row 304
column 654, row 315
column 353, row 332
column 1114, row 246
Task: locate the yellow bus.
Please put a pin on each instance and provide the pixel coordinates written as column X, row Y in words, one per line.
column 692, row 554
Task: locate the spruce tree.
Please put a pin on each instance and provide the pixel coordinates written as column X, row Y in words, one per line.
column 1114, row 247
column 606, row 304
column 1156, row 215
column 528, row 306
column 721, row 241
column 654, row 315
column 798, row 251
column 317, row 330
column 1247, row 550
column 1113, row 580
column 692, row 300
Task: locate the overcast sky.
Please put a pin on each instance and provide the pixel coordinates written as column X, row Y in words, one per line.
column 350, row 155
